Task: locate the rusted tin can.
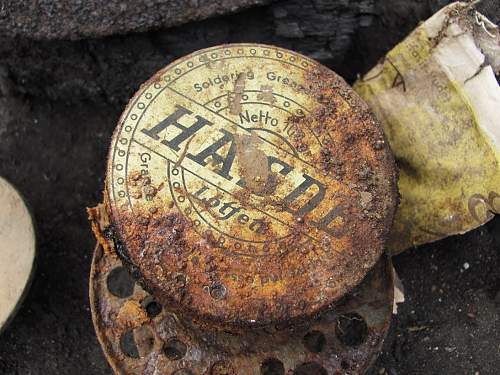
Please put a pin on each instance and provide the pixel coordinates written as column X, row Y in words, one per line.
column 248, row 188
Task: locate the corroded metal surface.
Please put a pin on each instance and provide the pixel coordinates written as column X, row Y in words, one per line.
column 249, row 185
column 139, row 336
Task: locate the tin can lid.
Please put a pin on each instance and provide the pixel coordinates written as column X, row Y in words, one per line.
column 248, row 184
column 17, row 251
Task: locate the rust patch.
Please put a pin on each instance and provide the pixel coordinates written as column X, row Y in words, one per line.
column 101, row 226
column 236, row 95
column 131, row 314
column 266, row 94
column 253, row 163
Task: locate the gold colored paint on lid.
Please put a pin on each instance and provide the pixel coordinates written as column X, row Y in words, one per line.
column 248, row 184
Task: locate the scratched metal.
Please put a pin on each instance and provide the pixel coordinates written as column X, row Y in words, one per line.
column 165, row 342
column 249, row 185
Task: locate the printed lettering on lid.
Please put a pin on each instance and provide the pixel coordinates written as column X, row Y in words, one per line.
column 253, row 170
column 228, row 157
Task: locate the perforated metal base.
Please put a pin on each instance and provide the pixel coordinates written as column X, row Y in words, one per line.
column 139, row 336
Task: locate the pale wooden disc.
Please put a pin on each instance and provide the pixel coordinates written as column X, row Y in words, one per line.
column 17, row 250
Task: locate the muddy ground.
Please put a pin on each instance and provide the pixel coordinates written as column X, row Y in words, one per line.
column 53, row 148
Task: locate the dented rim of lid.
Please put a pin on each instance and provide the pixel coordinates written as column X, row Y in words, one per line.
column 248, row 184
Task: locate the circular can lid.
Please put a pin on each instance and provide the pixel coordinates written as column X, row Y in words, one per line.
column 17, row 251
column 248, row 184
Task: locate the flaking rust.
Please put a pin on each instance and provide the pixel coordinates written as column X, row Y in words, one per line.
column 247, row 188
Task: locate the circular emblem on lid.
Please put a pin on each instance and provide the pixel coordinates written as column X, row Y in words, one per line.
column 249, row 184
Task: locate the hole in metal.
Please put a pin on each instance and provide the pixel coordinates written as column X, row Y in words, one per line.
column 310, row 368
column 218, row 291
column 222, row 368
column 314, row 341
column 272, row 366
column 351, row 329
column 128, row 346
column 153, row 309
column 120, row 283
column 174, row 349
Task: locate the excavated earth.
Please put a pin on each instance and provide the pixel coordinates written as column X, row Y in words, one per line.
column 59, row 103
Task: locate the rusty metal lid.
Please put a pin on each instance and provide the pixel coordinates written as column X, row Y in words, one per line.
column 248, row 184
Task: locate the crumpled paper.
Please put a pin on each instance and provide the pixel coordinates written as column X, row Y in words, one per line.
column 438, row 100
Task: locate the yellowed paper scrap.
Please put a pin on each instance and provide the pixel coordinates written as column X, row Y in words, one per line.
column 439, row 102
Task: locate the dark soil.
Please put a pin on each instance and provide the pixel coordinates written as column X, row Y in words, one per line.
column 55, row 154
column 347, row 35
column 53, row 148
